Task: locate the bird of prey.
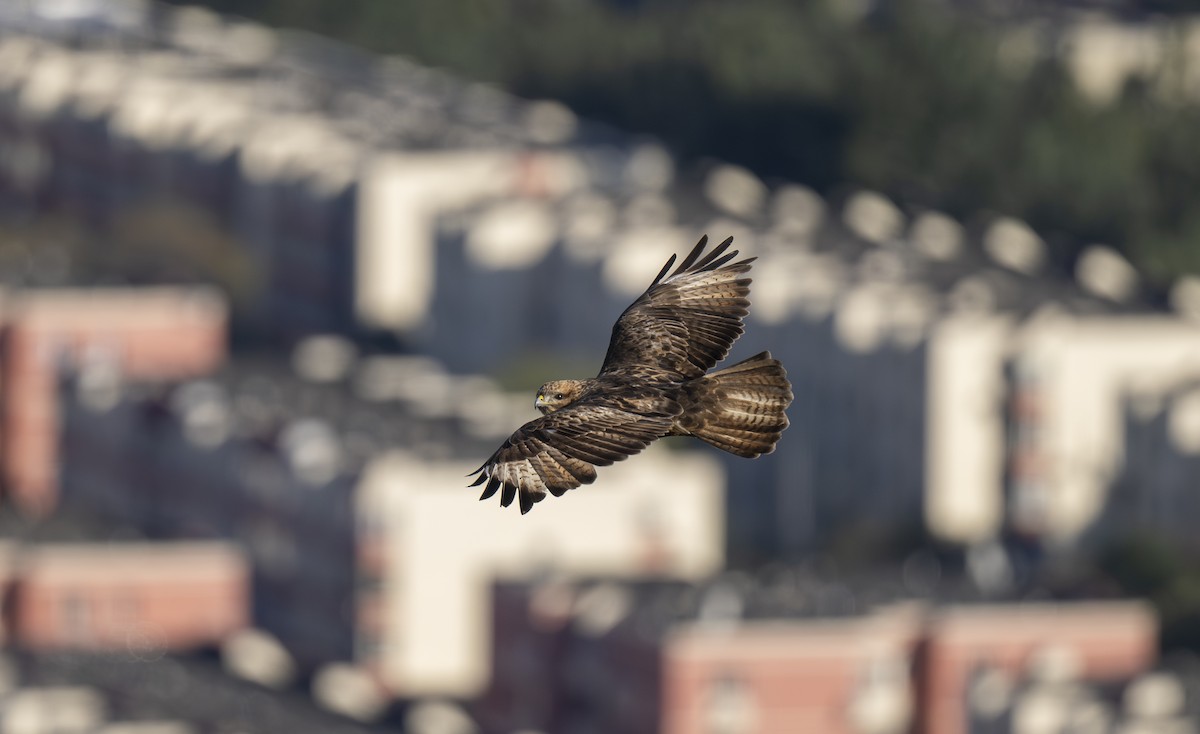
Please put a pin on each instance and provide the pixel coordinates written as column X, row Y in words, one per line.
column 654, row 382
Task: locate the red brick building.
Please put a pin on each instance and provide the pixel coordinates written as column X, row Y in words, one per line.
column 1108, row 641
column 144, row 599
column 838, row 676
column 637, row 660
column 144, row 333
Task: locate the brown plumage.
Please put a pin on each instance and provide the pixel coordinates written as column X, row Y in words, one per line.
column 654, row 382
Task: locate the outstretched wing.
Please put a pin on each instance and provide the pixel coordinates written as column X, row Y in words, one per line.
column 685, row 323
column 561, row 451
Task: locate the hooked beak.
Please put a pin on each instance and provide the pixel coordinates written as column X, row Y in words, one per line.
column 539, row 401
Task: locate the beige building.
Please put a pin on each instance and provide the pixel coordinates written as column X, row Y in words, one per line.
column 347, row 489
column 1071, row 374
column 400, row 198
column 658, row 515
column 955, row 389
column 1021, row 422
column 965, row 450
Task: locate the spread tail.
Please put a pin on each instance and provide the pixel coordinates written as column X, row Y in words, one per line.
column 740, row 409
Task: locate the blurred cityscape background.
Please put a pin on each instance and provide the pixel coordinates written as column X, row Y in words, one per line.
column 277, row 273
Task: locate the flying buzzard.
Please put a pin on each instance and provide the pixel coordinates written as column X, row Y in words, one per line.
column 653, row 383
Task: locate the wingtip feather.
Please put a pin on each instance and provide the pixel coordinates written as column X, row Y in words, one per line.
column 664, row 270
column 713, row 255
column 691, row 257
column 490, row 489
column 508, row 495
column 722, row 260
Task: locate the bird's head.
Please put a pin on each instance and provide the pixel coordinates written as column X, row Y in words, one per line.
column 557, row 394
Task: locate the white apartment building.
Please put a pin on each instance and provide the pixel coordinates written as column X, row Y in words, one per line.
column 657, row 515
column 1072, row 373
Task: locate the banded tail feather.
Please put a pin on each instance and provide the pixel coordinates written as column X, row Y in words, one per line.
column 740, row 409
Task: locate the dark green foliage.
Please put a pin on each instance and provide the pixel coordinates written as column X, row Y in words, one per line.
column 1145, row 566
column 912, row 101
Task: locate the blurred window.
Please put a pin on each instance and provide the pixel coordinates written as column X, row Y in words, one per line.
column 77, row 618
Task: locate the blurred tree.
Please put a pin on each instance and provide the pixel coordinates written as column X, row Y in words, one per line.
column 1143, row 565
column 162, row 241
column 176, row 242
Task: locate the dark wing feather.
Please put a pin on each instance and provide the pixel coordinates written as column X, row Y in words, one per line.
column 561, row 451
column 685, row 322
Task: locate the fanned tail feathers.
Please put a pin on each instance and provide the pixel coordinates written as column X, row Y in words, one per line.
column 740, row 409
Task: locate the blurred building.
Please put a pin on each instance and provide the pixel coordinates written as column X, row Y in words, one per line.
column 1087, row 641
column 660, row 516
column 550, row 289
column 945, row 384
column 257, row 455
column 402, row 196
column 153, row 333
column 361, row 552
column 144, row 691
column 135, row 598
column 483, row 229
column 1069, row 381
column 1104, row 54
column 1154, row 494
column 732, row 657
column 951, row 380
column 1053, row 698
column 324, row 165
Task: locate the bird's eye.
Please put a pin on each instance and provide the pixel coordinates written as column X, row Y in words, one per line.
column 558, row 396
